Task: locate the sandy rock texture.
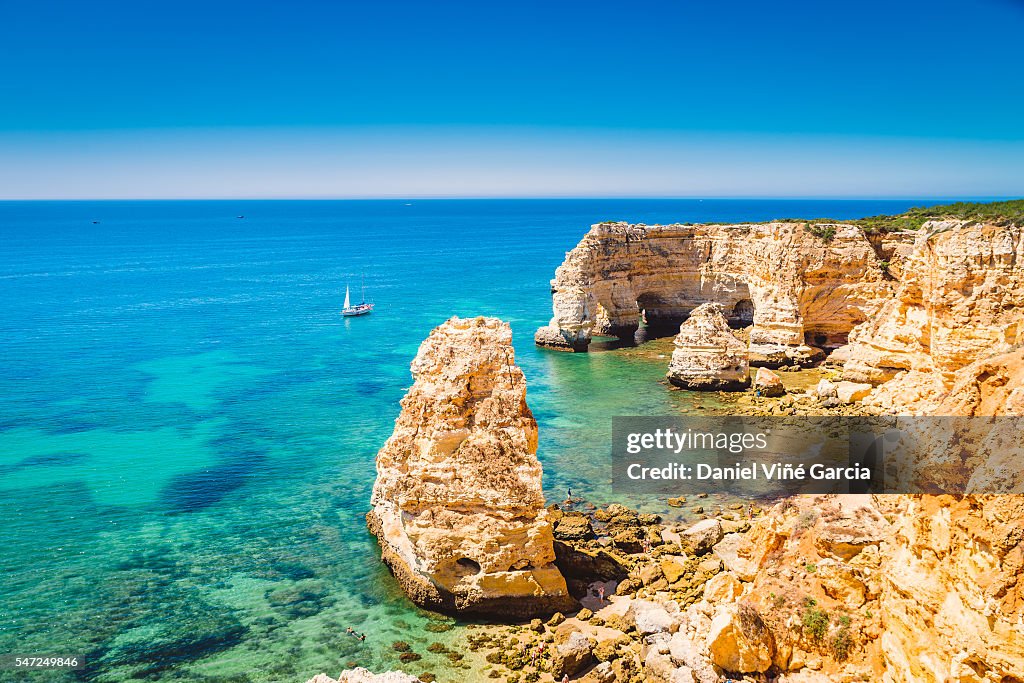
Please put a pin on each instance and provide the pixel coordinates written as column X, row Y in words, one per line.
column 793, row 286
column 952, row 600
column 707, row 356
column 457, row 505
column 960, row 299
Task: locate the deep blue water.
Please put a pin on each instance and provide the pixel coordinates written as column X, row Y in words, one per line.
column 188, row 427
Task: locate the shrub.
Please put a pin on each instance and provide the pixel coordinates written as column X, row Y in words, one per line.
column 806, row 520
column 823, row 232
column 842, row 642
column 815, row 623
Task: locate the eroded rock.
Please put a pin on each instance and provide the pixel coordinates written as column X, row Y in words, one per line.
column 707, row 355
column 458, row 506
column 739, row 641
column 792, row 286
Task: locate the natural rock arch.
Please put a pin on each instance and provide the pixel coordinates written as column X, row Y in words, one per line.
column 783, row 278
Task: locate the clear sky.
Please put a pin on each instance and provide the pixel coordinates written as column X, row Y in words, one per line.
column 553, row 98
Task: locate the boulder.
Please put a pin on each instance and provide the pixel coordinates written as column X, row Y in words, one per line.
column 851, row 392
column 767, row 383
column 572, row 656
column 574, row 528
column 650, row 617
column 825, row 389
column 685, row 653
column 723, row 587
column 738, row 640
column 682, row 674
column 702, row 536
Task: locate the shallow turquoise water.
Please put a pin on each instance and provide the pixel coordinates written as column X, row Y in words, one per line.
column 188, row 427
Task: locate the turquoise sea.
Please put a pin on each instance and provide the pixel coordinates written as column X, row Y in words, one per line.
column 188, row 426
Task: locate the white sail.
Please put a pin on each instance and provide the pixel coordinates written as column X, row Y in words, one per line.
column 348, row 303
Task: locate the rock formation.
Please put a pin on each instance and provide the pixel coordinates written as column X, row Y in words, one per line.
column 457, row 505
column 960, row 299
column 707, row 355
column 952, row 600
column 360, row 675
column 767, row 383
column 794, row 287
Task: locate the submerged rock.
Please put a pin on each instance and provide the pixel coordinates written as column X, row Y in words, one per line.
column 361, row 675
column 707, row 355
column 457, row 505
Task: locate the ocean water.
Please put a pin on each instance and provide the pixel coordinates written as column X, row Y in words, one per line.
column 188, row 426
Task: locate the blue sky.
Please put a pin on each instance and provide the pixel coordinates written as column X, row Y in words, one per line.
column 683, row 98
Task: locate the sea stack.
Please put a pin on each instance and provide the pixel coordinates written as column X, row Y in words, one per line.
column 458, row 506
column 707, row 355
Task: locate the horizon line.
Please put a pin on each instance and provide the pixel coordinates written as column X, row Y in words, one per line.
column 435, row 197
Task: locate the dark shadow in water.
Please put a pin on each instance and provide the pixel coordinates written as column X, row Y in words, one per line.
column 599, row 344
column 184, row 640
column 201, row 489
column 61, row 459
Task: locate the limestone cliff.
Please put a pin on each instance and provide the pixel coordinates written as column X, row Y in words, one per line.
column 792, row 285
column 707, row 355
column 899, row 589
column 952, row 600
column 457, row 505
column 960, row 299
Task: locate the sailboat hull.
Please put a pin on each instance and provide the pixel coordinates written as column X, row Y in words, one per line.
column 361, row 309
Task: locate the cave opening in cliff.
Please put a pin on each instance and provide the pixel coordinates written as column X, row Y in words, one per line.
column 467, row 566
column 825, row 339
column 742, row 314
column 659, row 317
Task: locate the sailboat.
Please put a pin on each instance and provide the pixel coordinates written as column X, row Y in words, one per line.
column 362, row 308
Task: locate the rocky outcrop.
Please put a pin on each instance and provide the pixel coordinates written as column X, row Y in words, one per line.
column 794, row 287
column 457, row 505
column 960, row 299
column 952, row 599
column 767, row 383
column 707, row 355
column 360, row 675
column 991, row 386
column 738, row 640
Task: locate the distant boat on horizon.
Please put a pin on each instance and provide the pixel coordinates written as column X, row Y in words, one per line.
column 362, row 308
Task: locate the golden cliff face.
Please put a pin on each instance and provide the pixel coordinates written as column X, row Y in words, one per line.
column 457, row 505
column 960, row 299
column 793, row 286
column 952, row 600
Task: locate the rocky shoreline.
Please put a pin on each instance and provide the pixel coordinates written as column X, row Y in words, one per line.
column 837, row 320
column 807, row 590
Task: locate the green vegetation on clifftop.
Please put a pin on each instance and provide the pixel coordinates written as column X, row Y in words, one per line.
column 1011, row 211
column 1000, row 213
